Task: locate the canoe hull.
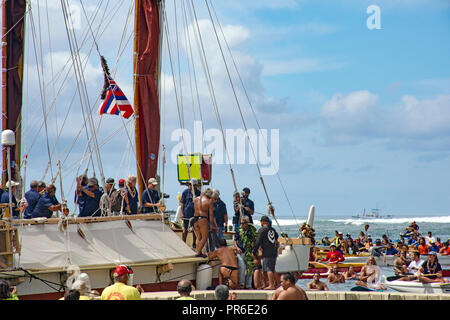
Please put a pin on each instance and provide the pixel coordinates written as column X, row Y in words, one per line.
column 418, row 287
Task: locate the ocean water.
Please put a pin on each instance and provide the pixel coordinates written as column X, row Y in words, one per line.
column 326, row 226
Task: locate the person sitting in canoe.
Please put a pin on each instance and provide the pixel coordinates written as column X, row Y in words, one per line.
column 413, row 267
column 401, row 264
column 423, row 247
column 445, row 250
column 390, row 250
column 333, row 255
column 431, row 271
column 325, row 241
column 316, row 284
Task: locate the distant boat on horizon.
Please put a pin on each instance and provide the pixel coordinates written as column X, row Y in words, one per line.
column 373, row 214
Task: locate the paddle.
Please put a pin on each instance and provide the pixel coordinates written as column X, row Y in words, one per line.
column 320, row 264
column 391, row 278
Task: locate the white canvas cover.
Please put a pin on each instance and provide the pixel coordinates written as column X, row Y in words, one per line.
column 44, row 246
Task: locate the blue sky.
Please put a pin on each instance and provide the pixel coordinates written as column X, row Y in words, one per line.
column 370, row 155
column 363, row 115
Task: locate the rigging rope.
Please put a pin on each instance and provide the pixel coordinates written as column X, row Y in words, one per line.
column 252, row 109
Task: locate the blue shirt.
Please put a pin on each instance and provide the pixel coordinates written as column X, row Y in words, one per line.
column 434, row 248
column 5, row 199
column 32, row 197
column 133, row 202
column 188, row 202
column 80, row 199
column 237, row 237
column 91, row 206
column 391, row 252
column 220, row 210
column 42, row 207
column 246, row 203
column 151, row 196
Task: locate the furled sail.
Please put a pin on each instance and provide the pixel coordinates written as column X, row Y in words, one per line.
column 12, row 64
column 147, row 113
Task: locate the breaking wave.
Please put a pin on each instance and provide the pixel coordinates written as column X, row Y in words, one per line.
column 358, row 222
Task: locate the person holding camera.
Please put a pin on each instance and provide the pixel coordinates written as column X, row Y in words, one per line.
column 90, row 197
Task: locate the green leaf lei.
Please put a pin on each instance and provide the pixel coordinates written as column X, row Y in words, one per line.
column 248, row 242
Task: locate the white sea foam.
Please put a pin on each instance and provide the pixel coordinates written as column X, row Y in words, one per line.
column 356, row 222
column 406, row 220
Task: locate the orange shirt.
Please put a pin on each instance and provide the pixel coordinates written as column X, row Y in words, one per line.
column 423, row 249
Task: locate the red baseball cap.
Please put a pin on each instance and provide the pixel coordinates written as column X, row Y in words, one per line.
column 122, row 270
column 121, row 181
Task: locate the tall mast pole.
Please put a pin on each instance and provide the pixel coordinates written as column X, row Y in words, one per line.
column 137, row 12
column 4, row 80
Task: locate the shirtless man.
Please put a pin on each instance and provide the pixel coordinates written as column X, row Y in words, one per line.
column 401, row 265
column 203, row 219
column 229, row 268
column 288, row 289
column 335, row 276
column 350, row 273
column 316, row 284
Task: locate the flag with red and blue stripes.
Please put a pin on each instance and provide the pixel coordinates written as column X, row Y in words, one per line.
column 115, row 102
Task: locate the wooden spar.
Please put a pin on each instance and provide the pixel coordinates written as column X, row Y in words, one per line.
column 4, row 77
column 136, row 94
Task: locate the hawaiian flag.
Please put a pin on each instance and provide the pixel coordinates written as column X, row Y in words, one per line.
column 115, row 101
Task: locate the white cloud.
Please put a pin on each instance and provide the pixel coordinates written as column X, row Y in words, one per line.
column 358, row 116
column 425, row 118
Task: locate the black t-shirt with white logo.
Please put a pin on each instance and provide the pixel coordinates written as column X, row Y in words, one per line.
column 267, row 240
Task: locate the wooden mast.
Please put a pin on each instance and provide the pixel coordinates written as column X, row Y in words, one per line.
column 136, row 93
column 4, row 80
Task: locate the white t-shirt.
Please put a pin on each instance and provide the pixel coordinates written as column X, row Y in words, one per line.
column 429, row 239
column 414, row 266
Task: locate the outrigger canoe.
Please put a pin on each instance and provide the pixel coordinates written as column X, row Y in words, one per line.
column 324, row 269
column 418, row 287
column 382, row 260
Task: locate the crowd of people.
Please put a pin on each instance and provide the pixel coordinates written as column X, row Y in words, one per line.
column 91, row 200
column 364, row 243
column 249, row 262
column 408, row 265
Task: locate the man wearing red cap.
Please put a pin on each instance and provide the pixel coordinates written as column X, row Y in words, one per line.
column 122, row 288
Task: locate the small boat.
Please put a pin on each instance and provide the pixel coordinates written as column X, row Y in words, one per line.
column 418, row 287
column 295, row 251
column 374, row 214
